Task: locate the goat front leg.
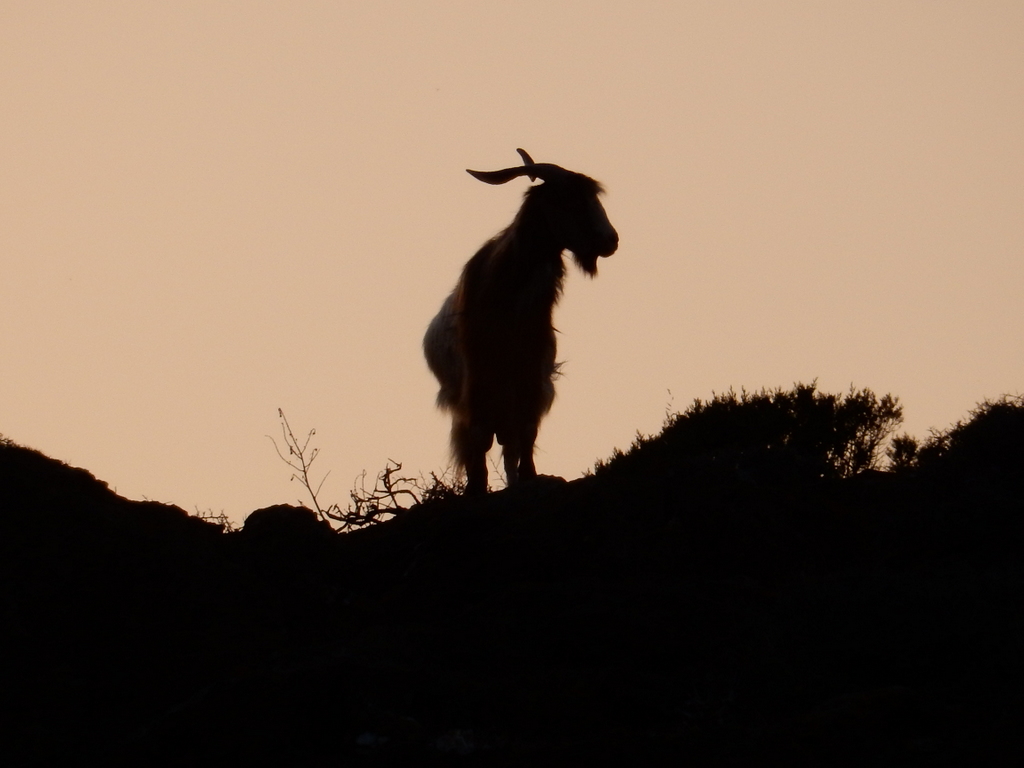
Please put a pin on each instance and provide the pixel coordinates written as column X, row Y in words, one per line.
column 527, row 469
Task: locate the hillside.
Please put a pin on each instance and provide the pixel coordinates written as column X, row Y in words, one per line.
column 745, row 586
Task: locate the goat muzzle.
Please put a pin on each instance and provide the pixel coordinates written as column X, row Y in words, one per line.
column 610, row 244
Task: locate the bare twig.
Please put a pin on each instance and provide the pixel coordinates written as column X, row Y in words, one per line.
column 300, row 464
column 381, row 502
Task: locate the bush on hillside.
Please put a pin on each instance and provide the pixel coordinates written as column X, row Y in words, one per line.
column 989, row 443
column 772, row 433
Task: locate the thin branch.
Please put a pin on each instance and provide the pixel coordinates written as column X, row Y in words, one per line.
column 368, row 506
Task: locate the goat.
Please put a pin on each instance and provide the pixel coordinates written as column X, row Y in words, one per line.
column 492, row 345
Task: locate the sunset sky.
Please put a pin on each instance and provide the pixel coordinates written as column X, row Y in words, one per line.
column 212, row 210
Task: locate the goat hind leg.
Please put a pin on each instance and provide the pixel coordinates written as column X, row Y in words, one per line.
column 527, row 470
column 471, row 443
column 510, row 453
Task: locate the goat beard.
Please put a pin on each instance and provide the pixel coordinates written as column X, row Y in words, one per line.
column 587, row 262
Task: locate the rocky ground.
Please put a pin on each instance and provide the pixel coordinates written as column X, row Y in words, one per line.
column 661, row 612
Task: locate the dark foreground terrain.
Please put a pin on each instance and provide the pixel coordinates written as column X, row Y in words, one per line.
column 726, row 607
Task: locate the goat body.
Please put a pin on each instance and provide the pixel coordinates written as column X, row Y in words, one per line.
column 492, row 345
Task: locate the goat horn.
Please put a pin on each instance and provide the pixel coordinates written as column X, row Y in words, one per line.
column 527, row 160
column 542, row 171
column 500, row 177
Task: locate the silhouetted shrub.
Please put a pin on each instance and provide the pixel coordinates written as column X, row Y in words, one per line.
column 902, row 453
column 773, row 433
column 989, row 444
column 390, row 489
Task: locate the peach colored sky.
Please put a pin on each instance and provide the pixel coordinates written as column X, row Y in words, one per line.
column 209, row 210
